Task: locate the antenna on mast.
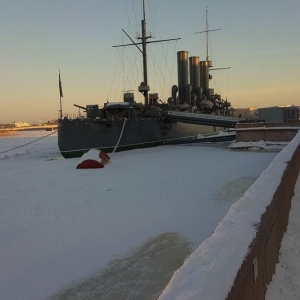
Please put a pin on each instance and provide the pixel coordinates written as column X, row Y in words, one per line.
column 206, row 31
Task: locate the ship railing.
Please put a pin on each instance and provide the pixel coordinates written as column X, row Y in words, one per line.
column 72, row 116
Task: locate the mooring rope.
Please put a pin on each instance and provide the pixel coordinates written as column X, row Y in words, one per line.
column 28, row 143
column 120, row 136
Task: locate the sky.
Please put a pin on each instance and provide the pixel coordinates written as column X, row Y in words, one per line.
column 107, row 233
column 259, row 41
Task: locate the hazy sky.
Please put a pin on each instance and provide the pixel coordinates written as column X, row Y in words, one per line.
column 259, row 40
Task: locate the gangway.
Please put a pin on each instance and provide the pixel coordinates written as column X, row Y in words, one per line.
column 204, row 119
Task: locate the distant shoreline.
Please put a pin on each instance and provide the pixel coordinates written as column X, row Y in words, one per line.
column 8, row 133
column 12, row 130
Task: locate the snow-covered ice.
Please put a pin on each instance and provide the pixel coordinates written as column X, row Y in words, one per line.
column 64, row 230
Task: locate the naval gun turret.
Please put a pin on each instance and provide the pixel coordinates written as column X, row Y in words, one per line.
column 92, row 111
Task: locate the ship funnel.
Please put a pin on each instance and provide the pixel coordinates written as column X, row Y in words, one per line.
column 195, row 78
column 194, row 72
column 204, row 77
column 183, row 78
column 188, row 94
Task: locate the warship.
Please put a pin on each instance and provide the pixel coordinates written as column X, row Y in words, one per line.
column 192, row 113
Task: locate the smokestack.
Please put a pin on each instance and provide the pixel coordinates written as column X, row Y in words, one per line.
column 204, row 77
column 195, row 79
column 188, row 94
column 183, row 77
column 194, row 73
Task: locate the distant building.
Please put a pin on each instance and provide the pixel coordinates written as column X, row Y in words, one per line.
column 21, row 124
column 279, row 114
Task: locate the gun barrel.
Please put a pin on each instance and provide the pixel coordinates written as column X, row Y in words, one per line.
column 79, row 106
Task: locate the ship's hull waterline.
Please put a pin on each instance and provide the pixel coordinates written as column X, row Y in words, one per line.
column 77, row 136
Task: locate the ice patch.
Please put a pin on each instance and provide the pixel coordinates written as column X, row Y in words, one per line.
column 234, row 190
column 142, row 275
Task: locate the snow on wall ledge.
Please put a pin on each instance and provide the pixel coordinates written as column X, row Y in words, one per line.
column 210, row 272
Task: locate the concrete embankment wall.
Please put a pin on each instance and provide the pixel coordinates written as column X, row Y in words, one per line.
column 239, row 259
column 259, row 265
column 272, row 132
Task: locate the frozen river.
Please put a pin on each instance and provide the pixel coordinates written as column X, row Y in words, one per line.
column 121, row 230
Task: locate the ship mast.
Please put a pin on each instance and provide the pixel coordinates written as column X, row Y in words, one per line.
column 144, row 87
column 207, row 57
column 206, row 31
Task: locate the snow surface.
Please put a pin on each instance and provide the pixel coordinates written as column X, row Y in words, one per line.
column 78, row 234
column 218, row 255
column 260, row 145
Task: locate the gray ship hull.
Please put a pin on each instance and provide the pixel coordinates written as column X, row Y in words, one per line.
column 77, row 136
